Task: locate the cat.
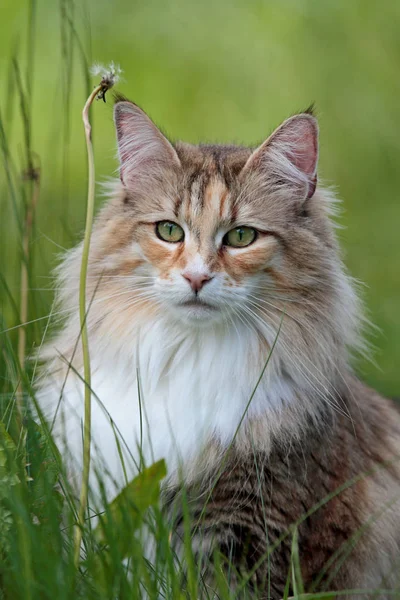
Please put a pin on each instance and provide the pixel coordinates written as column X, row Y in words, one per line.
column 221, row 325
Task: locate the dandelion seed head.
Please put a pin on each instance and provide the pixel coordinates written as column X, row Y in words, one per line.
column 96, row 69
column 110, row 74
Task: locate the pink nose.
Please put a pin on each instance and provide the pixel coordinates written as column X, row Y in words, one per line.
column 196, row 280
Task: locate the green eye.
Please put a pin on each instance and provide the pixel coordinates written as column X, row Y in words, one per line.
column 169, row 232
column 240, row 237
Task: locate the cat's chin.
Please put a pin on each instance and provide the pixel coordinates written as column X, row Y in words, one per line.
column 197, row 313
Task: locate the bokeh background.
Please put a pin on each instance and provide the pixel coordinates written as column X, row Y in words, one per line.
column 213, row 70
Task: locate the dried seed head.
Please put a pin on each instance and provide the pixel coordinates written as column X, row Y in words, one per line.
column 110, row 75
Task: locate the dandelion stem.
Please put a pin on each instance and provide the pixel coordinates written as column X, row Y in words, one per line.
column 82, row 314
column 109, row 78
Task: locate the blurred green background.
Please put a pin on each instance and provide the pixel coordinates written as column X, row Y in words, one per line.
column 206, row 71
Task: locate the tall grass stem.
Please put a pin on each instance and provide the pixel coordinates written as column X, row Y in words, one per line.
column 83, row 499
column 34, row 176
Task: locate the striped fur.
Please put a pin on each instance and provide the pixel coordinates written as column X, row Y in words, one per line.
column 310, row 426
column 339, row 486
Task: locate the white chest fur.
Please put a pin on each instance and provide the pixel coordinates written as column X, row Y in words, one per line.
column 167, row 394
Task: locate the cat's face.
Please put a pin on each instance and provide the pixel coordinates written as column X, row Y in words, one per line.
column 209, row 254
column 210, row 226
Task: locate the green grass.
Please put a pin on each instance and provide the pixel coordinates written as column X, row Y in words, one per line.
column 209, row 71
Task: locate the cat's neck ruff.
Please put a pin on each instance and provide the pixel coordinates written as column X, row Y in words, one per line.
column 180, row 393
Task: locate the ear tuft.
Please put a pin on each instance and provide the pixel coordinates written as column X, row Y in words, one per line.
column 142, row 148
column 310, row 110
column 290, row 155
column 118, row 97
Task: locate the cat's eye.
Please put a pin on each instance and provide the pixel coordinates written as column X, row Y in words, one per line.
column 240, row 237
column 169, row 232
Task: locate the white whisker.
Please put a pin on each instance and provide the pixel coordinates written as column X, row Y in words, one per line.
column 327, row 395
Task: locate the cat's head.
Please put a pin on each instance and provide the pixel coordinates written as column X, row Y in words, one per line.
column 209, row 232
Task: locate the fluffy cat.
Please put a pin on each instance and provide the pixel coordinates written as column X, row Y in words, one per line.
column 208, row 262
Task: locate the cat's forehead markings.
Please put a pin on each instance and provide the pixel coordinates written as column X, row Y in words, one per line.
column 215, row 195
column 223, row 205
column 208, row 204
column 195, row 204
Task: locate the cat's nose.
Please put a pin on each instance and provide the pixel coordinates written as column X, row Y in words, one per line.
column 196, row 280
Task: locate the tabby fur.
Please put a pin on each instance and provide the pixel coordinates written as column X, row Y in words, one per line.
column 315, row 451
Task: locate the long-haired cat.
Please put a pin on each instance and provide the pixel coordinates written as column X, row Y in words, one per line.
column 221, row 320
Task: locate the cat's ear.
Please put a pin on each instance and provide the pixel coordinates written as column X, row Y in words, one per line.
column 288, row 158
column 142, row 148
